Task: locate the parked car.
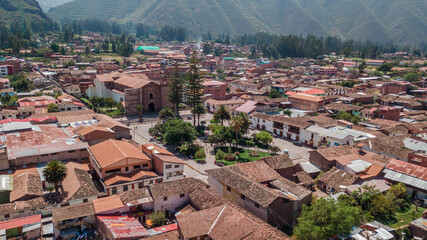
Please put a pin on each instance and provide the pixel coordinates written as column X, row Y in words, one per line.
column 296, row 143
column 189, row 118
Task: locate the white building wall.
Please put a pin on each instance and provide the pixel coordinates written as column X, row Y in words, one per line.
column 171, row 203
column 172, row 173
column 118, row 97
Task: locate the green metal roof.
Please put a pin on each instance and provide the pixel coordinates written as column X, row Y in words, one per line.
column 147, row 48
column 229, row 58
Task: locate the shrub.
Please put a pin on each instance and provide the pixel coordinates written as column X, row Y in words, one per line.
column 158, row 218
column 200, row 154
column 220, row 155
column 212, row 121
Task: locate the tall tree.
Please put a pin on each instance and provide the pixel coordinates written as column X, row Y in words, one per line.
column 166, row 114
column 176, row 89
column 240, row 124
column 194, row 85
column 55, row 172
column 222, row 114
column 325, row 218
column 199, row 110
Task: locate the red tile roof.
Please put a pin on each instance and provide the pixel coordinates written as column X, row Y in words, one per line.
column 19, row 222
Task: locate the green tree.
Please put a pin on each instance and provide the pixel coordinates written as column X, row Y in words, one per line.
column 344, row 116
column 120, row 108
column 220, row 73
column 240, row 124
column 222, row 114
column 52, row 108
column 140, row 109
column 158, row 218
column 194, row 85
column 325, row 218
column 346, row 52
column 362, row 67
column 55, row 172
column 274, row 94
column 87, row 50
column 411, row 77
column 264, row 137
column 199, row 110
column 177, row 132
column 54, row 47
column 176, row 89
column 287, row 112
column 382, row 208
column 386, row 67
column 207, row 48
column 166, row 114
column 364, row 196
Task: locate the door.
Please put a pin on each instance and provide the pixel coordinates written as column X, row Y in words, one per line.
column 151, row 107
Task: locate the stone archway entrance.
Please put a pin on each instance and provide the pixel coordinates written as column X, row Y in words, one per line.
column 151, row 107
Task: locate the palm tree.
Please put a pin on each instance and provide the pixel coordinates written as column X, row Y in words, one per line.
column 200, row 109
column 140, row 108
column 55, row 172
column 287, row 112
column 240, row 124
column 222, row 114
column 166, row 114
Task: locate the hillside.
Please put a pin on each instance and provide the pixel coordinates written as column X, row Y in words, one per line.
column 28, row 10
column 379, row 20
column 47, row 4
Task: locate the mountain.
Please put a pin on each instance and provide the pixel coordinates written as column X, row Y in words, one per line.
column 47, row 4
column 377, row 20
column 27, row 10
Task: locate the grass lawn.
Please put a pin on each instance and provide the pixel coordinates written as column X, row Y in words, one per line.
column 244, row 155
column 404, row 218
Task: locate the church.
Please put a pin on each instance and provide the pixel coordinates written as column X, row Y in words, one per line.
column 132, row 89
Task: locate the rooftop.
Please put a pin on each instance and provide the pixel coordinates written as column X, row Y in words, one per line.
column 111, row 152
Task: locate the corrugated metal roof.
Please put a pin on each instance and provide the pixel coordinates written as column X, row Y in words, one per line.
column 406, row 179
column 415, row 144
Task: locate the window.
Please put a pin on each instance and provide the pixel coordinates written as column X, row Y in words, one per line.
column 71, row 151
column 165, row 199
column 65, row 204
column 114, row 190
column 256, row 205
column 168, row 166
column 151, row 182
column 113, row 171
column 182, row 195
column 177, row 166
column 85, row 200
column 145, row 165
column 242, row 197
column 125, row 187
column 126, row 169
column 151, row 96
column 136, row 167
column 169, row 175
column 68, row 109
column 6, row 216
column 45, row 155
column 228, row 188
column 140, row 185
column 79, row 108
